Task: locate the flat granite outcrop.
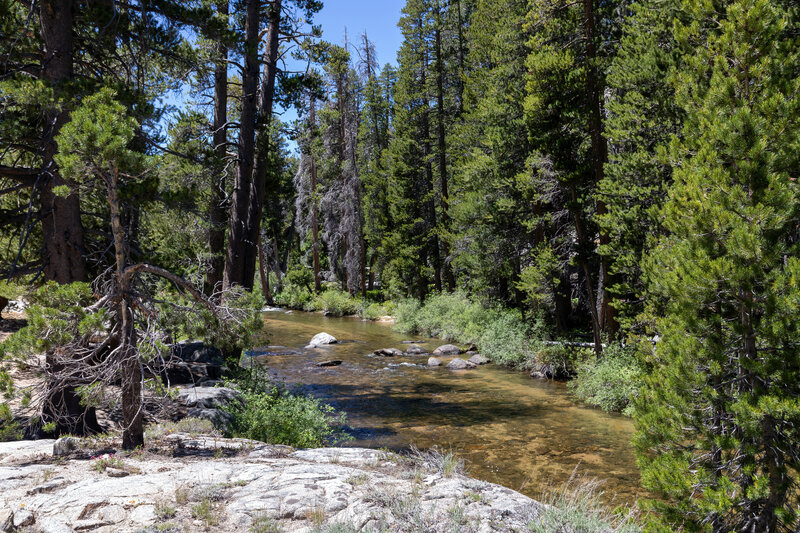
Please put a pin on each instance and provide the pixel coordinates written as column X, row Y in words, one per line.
column 232, row 485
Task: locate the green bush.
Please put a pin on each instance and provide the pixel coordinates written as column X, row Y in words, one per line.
column 9, row 428
column 278, row 417
column 612, row 380
column 335, row 302
column 501, row 334
column 374, row 311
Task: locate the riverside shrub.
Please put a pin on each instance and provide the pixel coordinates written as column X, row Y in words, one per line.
column 278, row 417
column 501, row 334
column 612, row 381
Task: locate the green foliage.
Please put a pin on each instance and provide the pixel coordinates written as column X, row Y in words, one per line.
column 335, row 302
column 611, row 381
column 278, row 417
column 9, row 427
column 56, row 316
column 719, row 417
column 501, row 334
column 231, row 333
column 97, row 138
column 296, row 292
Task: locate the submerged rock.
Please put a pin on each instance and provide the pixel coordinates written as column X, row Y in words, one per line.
column 479, row 359
column 387, row 352
column 323, row 338
column 329, row 363
column 447, row 349
column 434, row 361
column 460, row 364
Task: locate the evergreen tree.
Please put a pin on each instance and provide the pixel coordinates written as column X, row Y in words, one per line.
column 718, row 420
column 642, row 117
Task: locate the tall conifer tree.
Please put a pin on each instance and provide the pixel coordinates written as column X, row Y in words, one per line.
column 719, row 419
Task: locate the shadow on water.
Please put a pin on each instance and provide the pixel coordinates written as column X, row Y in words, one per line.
column 522, row 433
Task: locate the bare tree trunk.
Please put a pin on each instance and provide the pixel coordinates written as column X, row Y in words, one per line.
column 606, row 318
column 314, row 206
column 217, row 214
column 237, row 223
column 62, row 231
column 264, row 273
column 442, row 147
column 256, row 204
column 132, row 416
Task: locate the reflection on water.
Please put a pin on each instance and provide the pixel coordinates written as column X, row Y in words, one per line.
column 522, row 433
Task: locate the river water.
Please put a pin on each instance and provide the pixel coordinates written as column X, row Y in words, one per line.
column 520, row 432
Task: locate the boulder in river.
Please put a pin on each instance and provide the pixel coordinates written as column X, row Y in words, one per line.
column 387, row 352
column 329, row 363
column 479, row 359
column 416, row 350
column 434, row 361
column 323, row 338
column 460, row 364
column 447, row 349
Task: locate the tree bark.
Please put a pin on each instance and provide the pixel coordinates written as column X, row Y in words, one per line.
column 131, row 373
column 314, row 207
column 442, row 147
column 256, row 204
column 430, row 203
column 237, row 224
column 264, row 273
column 62, row 230
column 606, row 312
column 217, row 214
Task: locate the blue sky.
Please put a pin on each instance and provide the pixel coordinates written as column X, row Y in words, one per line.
column 378, row 17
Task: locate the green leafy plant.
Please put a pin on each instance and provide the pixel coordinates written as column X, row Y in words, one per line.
column 612, row 380
column 278, row 417
column 9, row 427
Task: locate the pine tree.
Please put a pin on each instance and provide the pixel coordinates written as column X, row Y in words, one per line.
column 642, row 117
column 718, row 421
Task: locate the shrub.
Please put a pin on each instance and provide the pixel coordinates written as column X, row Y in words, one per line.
column 373, row 311
column 501, row 334
column 612, row 380
column 278, row 417
column 335, row 302
column 9, row 428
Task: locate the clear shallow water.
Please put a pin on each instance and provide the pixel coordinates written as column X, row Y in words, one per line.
column 519, row 432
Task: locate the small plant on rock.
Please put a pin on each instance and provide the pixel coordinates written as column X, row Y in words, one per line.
column 105, row 461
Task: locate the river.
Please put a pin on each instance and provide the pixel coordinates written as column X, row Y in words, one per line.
column 520, row 432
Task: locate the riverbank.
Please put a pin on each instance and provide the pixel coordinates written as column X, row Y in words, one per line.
column 186, row 483
column 610, row 382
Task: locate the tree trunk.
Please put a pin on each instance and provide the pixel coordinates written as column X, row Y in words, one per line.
column 62, row 231
column 442, row 148
column 314, row 207
column 606, row 318
column 217, row 214
column 131, row 373
column 430, row 203
column 264, row 273
column 237, row 223
column 582, row 245
column 256, row 203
